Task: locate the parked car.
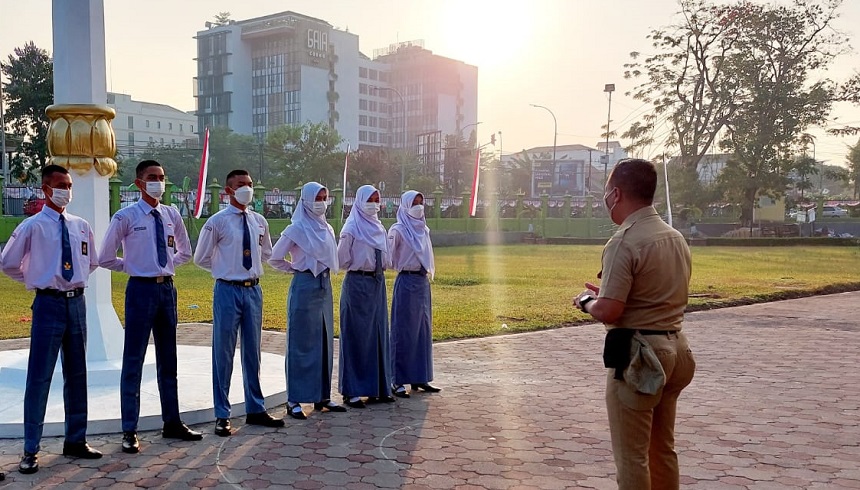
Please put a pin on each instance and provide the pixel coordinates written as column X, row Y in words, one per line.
column 833, row 212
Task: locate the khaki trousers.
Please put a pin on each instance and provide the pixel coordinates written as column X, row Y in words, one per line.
column 642, row 427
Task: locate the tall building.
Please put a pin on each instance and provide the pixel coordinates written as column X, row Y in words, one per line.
column 288, row 68
column 139, row 124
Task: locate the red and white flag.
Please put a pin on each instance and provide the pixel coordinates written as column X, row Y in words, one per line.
column 473, row 202
column 201, row 178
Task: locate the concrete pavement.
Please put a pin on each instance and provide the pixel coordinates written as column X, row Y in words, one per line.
column 775, row 405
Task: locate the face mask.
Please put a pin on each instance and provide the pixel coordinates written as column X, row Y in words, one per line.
column 319, row 207
column 371, row 208
column 244, row 195
column 61, row 197
column 416, row 211
column 606, row 201
column 155, row 189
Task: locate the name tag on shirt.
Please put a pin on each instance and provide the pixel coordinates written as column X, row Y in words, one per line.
column 140, row 228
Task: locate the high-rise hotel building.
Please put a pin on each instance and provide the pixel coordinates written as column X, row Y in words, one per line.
column 289, row 68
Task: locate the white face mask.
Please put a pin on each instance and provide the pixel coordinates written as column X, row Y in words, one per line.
column 61, row 197
column 244, row 195
column 371, row 208
column 416, row 211
column 319, row 207
column 155, row 189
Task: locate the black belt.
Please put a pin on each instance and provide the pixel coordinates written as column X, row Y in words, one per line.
column 247, row 283
column 308, row 271
column 157, row 279
column 73, row 293
column 363, row 273
column 419, row 273
column 657, row 332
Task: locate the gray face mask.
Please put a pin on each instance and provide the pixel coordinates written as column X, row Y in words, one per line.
column 606, row 202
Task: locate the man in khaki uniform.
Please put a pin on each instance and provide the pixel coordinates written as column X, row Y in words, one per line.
column 644, row 282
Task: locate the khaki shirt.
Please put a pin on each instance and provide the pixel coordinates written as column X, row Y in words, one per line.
column 646, row 265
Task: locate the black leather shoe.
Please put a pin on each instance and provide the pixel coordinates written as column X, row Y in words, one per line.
column 80, row 450
column 130, row 442
column 263, row 419
column 178, row 430
column 359, row 403
column 29, row 463
column 223, row 428
column 400, row 392
column 329, row 406
column 380, row 399
column 2, row 476
column 425, row 387
column 296, row 412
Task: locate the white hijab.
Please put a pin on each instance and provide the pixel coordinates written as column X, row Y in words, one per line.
column 415, row 232
column 365, row 227
column 311, row 232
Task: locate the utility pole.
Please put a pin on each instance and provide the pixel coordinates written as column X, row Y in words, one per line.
column 609, row 87
column 3, row 161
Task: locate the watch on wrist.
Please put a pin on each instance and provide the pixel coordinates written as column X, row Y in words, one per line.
column 584, row 301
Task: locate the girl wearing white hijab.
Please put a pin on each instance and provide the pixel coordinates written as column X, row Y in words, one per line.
column 309, row 241
column 364, row 367
column 411, row 315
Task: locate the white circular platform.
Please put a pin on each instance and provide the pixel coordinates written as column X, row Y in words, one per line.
column 195, row 391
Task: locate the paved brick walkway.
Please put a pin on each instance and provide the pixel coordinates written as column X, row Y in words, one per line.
column 774, row 406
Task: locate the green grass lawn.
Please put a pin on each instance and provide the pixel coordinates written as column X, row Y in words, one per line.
column 526, row 287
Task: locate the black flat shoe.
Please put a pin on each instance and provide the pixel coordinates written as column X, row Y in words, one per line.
column 359, row 403
column 130, row 442
column 295, row 411
column 426, row 387
column 29, row 463
column 80, row 450
column 178, row 430
column 223, row 428
column 400, row 392
column 381, row 399
column 263, row 419
column 329, row 406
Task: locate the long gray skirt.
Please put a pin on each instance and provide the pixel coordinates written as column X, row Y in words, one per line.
column 364, row 364
column 411, row 330
column 310, row 338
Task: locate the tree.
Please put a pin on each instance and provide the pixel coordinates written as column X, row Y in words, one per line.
column 780, row 48
column 222, row 19
column 688, row 83
column 517, row 175
column 853, row 158
column 178, row 162
column 28, row 91
column 804, row 166
column 299, row 154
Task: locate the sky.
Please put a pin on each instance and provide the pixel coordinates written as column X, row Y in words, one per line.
column 555, row 53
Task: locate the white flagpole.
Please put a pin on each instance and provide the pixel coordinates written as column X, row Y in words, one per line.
column 668, row 200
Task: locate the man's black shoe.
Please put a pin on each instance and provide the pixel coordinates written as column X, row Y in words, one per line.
column 80, row 450
column 2, row 476
column 263, row 419
column 178, row 430
column 130, row 442
column 223, row 428
column 29, row 463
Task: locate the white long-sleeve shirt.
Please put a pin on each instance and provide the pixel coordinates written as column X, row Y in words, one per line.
column 133, row 228
column 219, row 247
column 355, row 255
column 34, row 252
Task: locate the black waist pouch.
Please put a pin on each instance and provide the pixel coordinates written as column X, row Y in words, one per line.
column 616, row 350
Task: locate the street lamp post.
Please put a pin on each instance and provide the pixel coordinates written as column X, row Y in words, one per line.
column 405, row 135
column 3, row 136
column 554, row 142
column 609, row 88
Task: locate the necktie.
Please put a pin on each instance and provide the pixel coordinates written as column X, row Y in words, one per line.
column 246, row 243
column 378, row 254
column 160, row 244
column 67, row 269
